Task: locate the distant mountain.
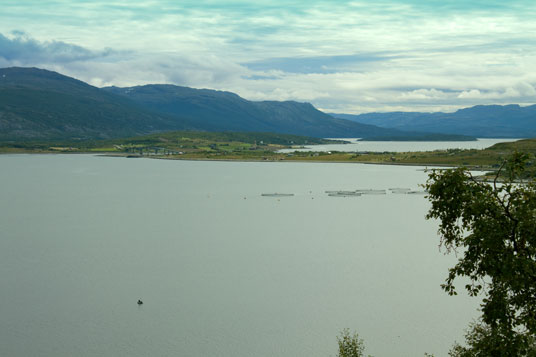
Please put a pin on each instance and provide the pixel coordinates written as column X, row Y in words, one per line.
column 491, row 121
column 224, row 111
column 40, row 104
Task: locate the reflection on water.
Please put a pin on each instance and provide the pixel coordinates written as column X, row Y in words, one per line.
column 221, row 270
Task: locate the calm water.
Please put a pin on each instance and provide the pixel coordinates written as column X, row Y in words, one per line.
column 222, row 270
column 402, row 146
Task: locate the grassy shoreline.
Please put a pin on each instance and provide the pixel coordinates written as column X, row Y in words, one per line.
column 175, row 146
column 438, row 158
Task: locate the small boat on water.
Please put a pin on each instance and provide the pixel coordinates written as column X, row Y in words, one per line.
column 370, row 191
column 347, row 192
column 417, row 192
column 344, row 194
column 277, row 194
column 400, row 190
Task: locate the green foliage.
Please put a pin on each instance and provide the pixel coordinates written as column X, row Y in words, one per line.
column 494, row 228
column 187, row 141
column 243, row 137
column 482, row 340
column 350, row 345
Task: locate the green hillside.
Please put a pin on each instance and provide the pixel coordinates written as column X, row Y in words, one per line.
column 185, row 142
column 39, row 104
column 225, row 111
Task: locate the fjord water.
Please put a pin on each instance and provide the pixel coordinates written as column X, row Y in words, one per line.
column 222, row 270
column 355, row 145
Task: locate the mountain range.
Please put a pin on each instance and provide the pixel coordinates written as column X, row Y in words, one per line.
column 225, row 111
column 37, row 104
column 483, row 121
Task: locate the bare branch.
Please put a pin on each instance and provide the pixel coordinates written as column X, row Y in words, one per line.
column 498, row 174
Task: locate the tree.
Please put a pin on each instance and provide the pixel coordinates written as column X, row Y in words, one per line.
column 482, row 340
column 350, row 345
column 493, row 228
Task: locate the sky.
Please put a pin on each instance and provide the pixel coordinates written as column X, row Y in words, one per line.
column 341, row 56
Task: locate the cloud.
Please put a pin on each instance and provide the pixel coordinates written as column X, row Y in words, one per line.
column 165, row 68
column 519, row 90
column 319, row 64
column 424, row 94
column 345, row 56
column 22, row 49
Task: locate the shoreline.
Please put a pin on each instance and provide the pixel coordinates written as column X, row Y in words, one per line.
column 272, row 160
column 297, row 161
column 110, row 154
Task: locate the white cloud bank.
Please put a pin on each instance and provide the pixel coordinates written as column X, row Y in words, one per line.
column 343, row 57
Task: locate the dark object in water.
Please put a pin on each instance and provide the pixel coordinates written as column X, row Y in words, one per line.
column 140, row 302
column 277, row 194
